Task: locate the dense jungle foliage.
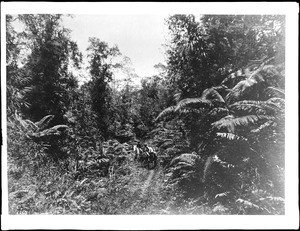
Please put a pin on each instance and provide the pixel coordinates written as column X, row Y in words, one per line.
column 214, row 115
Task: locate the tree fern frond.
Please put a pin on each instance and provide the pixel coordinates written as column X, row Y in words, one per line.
column 182, row 171
column 247, row 204
column 277, row 90
column 32, row 125
column 222, row 122
column 188, row 158
column 167, row 112
column 250, row 106
column 175, row 150
column 277, row 101
column 230, row 123
column 185, row 164
column 193, row 102
column 212, row 95
column 263, row 126
column 44, row 122
column 207, row 165
column 218, row 111
column 230, row 136
column 240, row 88
column 56, row 130
column 167, row 143
column 256, row 76
column 177, row 97
column 271, row 70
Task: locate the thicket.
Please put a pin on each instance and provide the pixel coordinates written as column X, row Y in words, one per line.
column 215, row 115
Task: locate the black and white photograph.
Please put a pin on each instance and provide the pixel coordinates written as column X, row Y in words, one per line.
column 169, row 111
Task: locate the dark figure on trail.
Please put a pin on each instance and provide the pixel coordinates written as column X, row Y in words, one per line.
column 152, row 162
column 146, row 155
column 137, row 150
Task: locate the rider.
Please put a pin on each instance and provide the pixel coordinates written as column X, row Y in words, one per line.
column 151, row 155
column 137, row 148
column 146, row 150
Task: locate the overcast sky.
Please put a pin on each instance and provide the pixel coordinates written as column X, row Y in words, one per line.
column 140, row 37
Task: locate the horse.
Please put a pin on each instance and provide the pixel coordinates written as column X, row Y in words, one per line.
column 152, row 160
column 137, row 152
column 146, row 155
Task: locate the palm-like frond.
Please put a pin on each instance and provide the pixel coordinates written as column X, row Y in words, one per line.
column 240, row 89
column 263, row 126
column 44, row 122
column 207, row 165
column 218, row 111
column 167, row 112
column 230, row 136
column 252, row 106
column 277, row 91
column 31, row 125
column 175, row 150
column 230, row 122
column 194, row 103
column 265, row 73
column 186, row 158
column 278, row 102
column 56, row 130
column 212, row 95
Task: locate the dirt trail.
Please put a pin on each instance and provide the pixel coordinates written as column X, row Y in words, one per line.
column 147, row 182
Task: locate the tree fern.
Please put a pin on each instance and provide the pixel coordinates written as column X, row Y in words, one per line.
column 230, row 122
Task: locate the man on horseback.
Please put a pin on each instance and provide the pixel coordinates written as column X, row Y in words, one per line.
column 150, row 156
column 146, row 155
column 137, row 150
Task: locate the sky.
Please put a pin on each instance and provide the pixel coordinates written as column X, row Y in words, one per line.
column 140, row 37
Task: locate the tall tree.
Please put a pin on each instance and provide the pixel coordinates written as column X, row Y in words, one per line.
column 100, row 58
column 52, row 53
column 17, row 81
column 204, row 50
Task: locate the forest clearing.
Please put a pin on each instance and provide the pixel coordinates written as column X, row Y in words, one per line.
column 203, row 136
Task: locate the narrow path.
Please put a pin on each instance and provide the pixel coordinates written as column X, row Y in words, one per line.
column 147, row 182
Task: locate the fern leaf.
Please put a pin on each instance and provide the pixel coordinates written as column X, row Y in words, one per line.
column 222, row 194
column 188, row 158
column 252, row 106
column 263, row 126
column 230, row 136
column 279, row 102
column 277, row 90
column 240, row 88
column 224, row 123
column 230, row 122
column 56, row 130
column 31, row 125
column 218, row 111
column 43, row 123
column 212, row 95
column 167, row 112
column 194, row 103
column 207, row 165
column 247, row 204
